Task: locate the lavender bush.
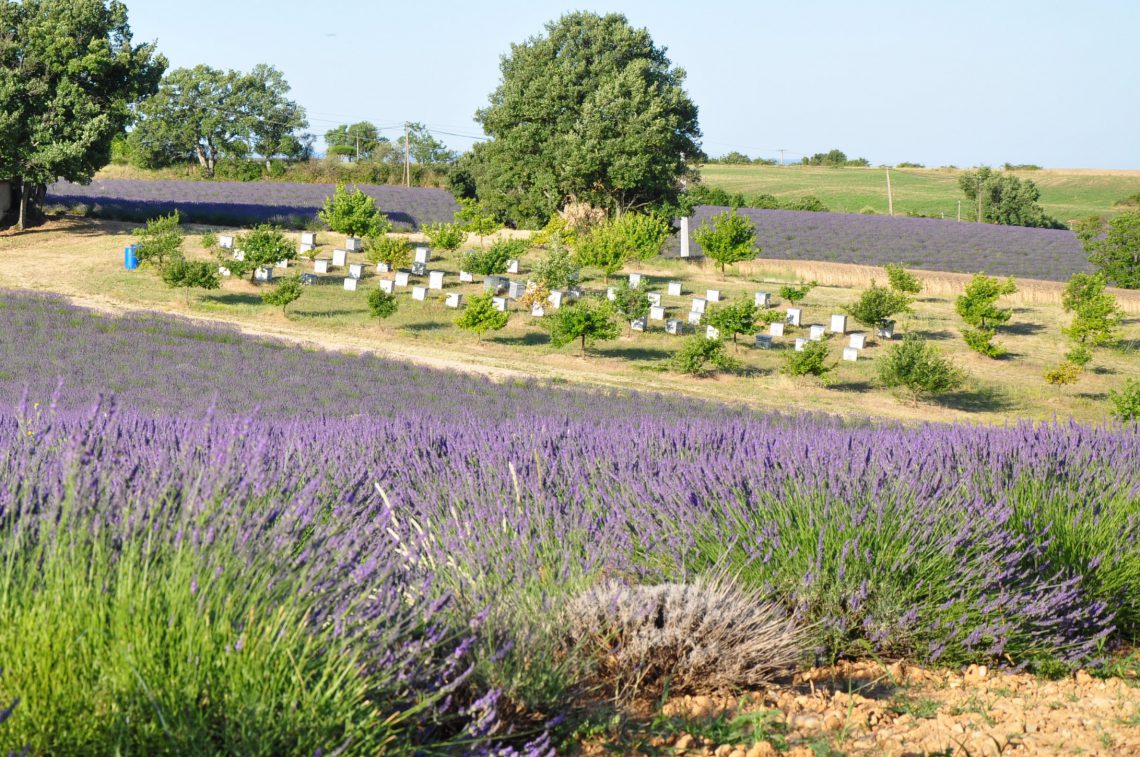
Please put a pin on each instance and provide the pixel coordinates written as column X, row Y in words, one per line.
column 244, row 203
column 926, row 243
column 429, row 524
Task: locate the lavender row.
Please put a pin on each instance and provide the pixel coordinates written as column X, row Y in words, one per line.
column 246, row 202
column 926, row 243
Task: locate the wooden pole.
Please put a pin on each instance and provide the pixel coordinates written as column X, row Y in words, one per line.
column 890, row 198
column 407, row 158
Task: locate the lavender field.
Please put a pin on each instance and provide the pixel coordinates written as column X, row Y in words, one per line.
column 243, row 203
column 421, row 532
column 927, row 243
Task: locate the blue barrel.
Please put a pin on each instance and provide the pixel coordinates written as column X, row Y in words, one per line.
column 130, row 259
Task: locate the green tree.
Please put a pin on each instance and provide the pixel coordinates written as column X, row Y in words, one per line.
column 978, row 308
column 877, row 304
column 810, row 361
column 902, row 280
column 206, row 114
column 264, row 246
column 592, row 109
column 796, row 294
column 477, row 218
column 587, row 320
column 393, row 251
column 701, row 356
column 728, row 238
column 481, row 316
column 284, row 294
column 631, row 303
column 184, row 274
column 69, row 78
column 1126, row 402
column 1065, row 372
column 556, row 269
column 1117, row 253
column 641, row 233
column 423, row 148
column 1005, row 199
column 1096, row 317
column 361, row 139
column 495, row 259
column 160, row 241
column 354, row 214
column 445, row 236
column 602, row 248
column 919, row 367
column 382, row 304
column 737, row 317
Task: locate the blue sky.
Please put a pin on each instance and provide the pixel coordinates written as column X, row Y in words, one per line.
column 967, row 83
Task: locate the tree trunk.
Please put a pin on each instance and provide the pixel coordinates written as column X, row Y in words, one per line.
column 583, row 344
column 23, row 205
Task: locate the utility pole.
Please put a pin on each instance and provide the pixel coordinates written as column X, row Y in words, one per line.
column 959, row 211
column 781, row 163
column 979, row 199
column 357, row 148
column 890, row 198
column 407, row 157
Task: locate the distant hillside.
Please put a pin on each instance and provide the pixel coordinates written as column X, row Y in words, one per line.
column 1065, row 194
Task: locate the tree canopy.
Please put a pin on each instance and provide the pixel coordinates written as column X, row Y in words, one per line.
column 593, row 110
column 1006, row 199
column 69, row 75
column 361, row 139
column 204, row 113
column 728, row 238
column 1114, row 248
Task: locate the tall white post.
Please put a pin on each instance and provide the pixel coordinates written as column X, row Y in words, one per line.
column 684, row 236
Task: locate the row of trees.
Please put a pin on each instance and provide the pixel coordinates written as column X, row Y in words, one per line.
column 363, row 141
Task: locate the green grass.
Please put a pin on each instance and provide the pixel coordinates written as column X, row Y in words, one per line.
column 925, row 191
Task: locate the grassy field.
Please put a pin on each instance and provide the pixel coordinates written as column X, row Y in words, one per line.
column 84, row 259
column 1065, row 194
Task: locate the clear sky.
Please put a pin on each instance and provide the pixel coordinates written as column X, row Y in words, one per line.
column 966, row 83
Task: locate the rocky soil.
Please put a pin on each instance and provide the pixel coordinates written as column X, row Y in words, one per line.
column 872, row 709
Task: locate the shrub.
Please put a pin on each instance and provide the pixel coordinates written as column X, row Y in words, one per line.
column 480, row 316
column 810, row 361
column 877, row 304
column 1065, row 372
column 1126, row 402
column 978, row 308
column 445, row 236
column 737, row 317
column 981, row 341
column 382, row 304
column 161, row 241
column 587, row 320
column 264, row 246
column 354, row 214
column 763, row 201
column 630, row 302
column 394, row 251
column 493, row 260
column 728, row 238
column 209, row 240
column 701, row 356
column 807, row 202
column 1096, row 317
column 641, row 234
column 476, row 218
column 902, row 280
column 284, row 294
column 918, row 367
column 185, row 274
column 794, row 294
column 556, row 269
column 709, row 635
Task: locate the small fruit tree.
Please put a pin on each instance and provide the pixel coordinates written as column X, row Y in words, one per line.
column 184, row 274
column 382, row 304
column 877, row 304
column 902, row 280
column 480, row 316
column 354, row 214
column 587, row 320
column 728, row 238
column 284, row 294
column 737, row 317
column 445, row 236
column 918, row 367
column 493, row 260
column 264, row 246
column 978, row 308
column 631, row 303
column 701, row 356
column 160, row 242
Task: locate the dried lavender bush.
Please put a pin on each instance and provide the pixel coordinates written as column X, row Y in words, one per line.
column 708, row 635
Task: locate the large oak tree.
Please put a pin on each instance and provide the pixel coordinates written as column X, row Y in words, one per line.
column 69, row 75
column 591, row 110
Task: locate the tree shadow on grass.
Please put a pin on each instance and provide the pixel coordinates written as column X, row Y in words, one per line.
column 233, row 299
column 940, row 335
column 1103, row 370
column 859, row 387
column 530, row 339
column 633, row 353
column 1094, row 396
column 1023, row 329
column 980, row 400
column 322, row 313
column 416, row 328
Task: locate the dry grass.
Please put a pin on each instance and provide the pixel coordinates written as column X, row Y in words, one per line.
column 706, row 636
